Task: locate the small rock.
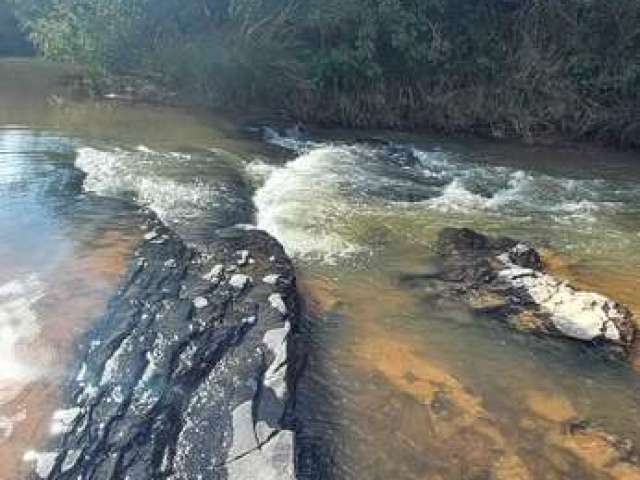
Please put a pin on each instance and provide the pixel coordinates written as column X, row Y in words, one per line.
column 151, row 235
column 70, row 460
column 215, row 274
column 44, row 461
column 63, row 420
column 277, row 302
column 271, row 279
column 200, row 302
column 239, row 281
column 250, row 320
column 244, row 257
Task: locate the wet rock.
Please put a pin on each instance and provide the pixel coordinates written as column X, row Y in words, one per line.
column 215, row 274
column 271, row 279
column 151, row 235
column 63, row 420
column 277, row 302
column 184, row 378
column 239, row 281
column 505, row 277
column 243, row 257
column 200, row 302
column 43, row 462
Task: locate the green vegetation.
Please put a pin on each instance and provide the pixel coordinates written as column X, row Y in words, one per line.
column 12, row 39
column 506, row 68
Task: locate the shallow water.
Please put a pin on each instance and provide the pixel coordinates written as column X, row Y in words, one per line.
column 383, row 355
column 62, row 254
column 397, row 384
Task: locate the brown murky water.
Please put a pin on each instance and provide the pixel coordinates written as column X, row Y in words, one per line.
column 406, row 386
column 423, row 393
column 398, row 385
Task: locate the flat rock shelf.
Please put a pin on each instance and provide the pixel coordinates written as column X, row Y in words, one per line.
column 187, row 375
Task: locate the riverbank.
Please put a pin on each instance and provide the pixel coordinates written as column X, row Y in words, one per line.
column 323, row 119
column 71, row 83
column 504, row 70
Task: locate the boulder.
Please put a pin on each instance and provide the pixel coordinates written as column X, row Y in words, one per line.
column 506, row 277
column 187, row 375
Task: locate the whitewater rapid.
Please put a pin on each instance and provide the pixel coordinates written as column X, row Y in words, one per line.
column 322, row 203
column 187, row 191
column 332, row 200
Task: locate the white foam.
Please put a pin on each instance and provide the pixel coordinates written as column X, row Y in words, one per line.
column 301, row 203
column 434, row 164
column 120, row 173
column 289, row 143
column 144, row 149
column 260, row 171
column 320, row 204
column 455, row 197
column 523, row 193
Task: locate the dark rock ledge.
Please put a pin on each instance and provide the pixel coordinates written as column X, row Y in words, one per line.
column 187, row 376
column 506, row 278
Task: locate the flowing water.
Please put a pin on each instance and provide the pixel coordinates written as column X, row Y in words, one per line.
column 397, row 384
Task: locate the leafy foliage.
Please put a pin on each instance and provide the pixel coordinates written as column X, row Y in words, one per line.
column 12, row 39
column 502, row 67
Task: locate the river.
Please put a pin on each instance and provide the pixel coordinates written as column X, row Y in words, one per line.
column 76, row 175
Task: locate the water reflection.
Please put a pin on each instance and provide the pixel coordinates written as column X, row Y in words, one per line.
column 62, row 254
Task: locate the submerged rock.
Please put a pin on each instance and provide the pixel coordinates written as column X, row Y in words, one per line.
column 614, row 456
column 185, row 378
column 507, row 278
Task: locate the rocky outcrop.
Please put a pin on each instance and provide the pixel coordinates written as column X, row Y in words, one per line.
column 506, row 278
column 187, row 376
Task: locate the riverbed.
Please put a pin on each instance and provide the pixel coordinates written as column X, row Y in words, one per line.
column 397, row 384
